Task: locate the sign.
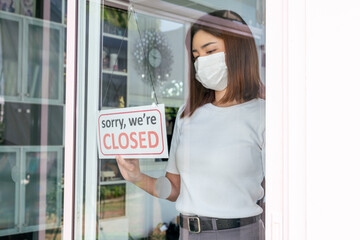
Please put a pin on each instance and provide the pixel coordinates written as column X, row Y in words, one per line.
column 136, row 132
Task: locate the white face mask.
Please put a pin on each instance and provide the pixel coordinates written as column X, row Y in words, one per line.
column 211, row 71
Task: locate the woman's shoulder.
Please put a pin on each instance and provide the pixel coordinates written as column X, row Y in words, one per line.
column 179, row 113
column 259, row 101
column 260, row 105
column 181, row 110
column 254, row 109
column 255, row 103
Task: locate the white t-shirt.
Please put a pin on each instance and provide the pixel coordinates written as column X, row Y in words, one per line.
column 219, row 154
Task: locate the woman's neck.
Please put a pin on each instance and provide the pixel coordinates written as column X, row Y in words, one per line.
column 219, row 95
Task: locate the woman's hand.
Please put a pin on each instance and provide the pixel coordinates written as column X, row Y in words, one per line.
column 129, row 169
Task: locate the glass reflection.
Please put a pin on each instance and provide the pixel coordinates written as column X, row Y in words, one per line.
column 33, row 182
column 143, row 58
column 112, row 201
column 32, row 67
column 8, row 190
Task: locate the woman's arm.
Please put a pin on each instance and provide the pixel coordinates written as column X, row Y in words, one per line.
column 175, row 186
column 130, row 170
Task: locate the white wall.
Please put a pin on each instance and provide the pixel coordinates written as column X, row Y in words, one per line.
column 313, row 119
column 333, row 129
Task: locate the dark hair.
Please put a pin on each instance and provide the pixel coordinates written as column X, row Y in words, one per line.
column 242, row 61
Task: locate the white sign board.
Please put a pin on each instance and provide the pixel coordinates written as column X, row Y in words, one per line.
column 136, row 132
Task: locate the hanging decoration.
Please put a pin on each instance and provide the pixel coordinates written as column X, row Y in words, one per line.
column 153, row 57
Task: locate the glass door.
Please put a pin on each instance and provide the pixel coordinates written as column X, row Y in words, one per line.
column 9, row 190
column 11, row 52
column 136, row 54
column 42, row 165
column 52, row 53
column 32, row 105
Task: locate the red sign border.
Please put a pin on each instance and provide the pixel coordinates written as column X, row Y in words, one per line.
column 131, row 154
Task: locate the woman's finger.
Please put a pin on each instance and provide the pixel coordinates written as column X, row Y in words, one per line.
column 121, row 162
column 128, row 164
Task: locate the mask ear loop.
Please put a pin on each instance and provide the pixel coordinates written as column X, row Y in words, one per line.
column 131, row 10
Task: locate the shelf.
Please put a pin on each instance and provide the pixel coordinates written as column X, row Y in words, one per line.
column 115, row 182
column 40, row 101
column 30, row 18
column 119, row 73
column 115, row 36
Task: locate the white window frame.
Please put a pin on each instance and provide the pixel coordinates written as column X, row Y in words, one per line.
column 286, row 197
column 70, row 119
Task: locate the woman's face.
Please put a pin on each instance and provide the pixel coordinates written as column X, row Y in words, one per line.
column 204, row 44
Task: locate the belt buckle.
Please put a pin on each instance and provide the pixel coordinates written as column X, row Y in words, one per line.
column 198, row 225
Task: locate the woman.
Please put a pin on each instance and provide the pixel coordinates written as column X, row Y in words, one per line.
column 216, row 162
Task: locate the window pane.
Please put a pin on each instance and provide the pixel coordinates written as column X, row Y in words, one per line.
column 32, row 85
column 112, row 201
column 8, row 189
column 9, row 35
column 146, row 58
column 110, row 171
column 37, row 55
column 33, row 194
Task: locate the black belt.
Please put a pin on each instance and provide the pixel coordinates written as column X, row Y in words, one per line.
column 197, row 224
